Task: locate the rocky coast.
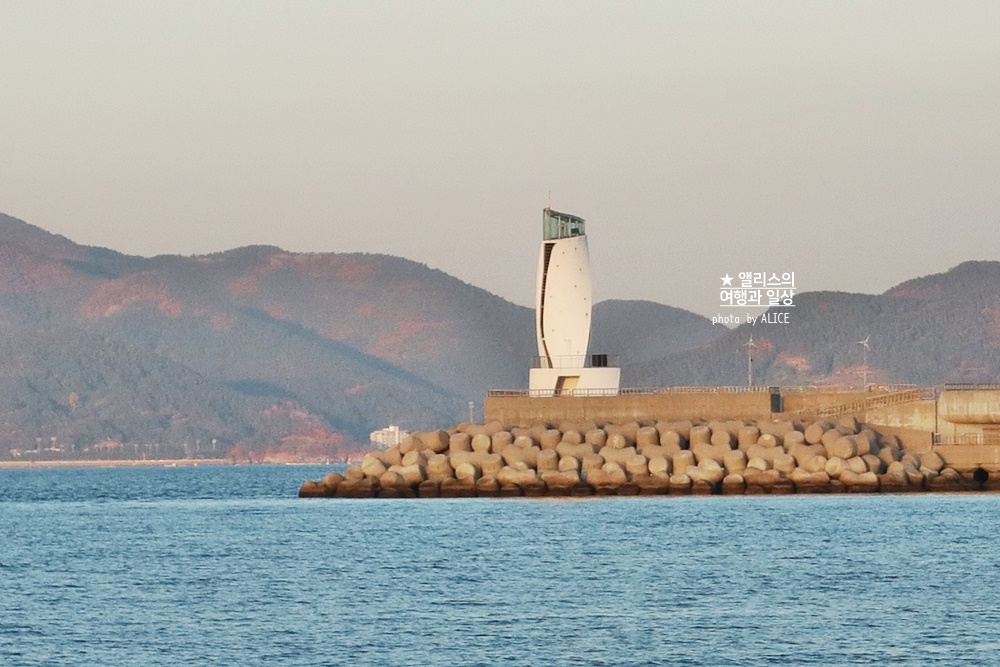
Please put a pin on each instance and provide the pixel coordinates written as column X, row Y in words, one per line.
column 732, row 457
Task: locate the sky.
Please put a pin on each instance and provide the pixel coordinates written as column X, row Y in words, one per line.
column 856, row 144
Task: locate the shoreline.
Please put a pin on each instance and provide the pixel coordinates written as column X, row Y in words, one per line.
column 119, row 463
column 155, row 463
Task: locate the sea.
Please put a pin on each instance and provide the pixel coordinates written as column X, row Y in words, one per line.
column 224, row 565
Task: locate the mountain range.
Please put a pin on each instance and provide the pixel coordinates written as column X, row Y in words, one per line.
column 935, row 329
column 258, row 347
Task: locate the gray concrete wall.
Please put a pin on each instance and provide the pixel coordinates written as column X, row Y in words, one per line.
column 969, row 407
column 918, row 415
column 969, row 457
column 818, row 400
column 524, row 411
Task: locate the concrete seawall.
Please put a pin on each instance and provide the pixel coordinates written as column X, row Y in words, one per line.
column 960, row 422
column 524, row 410
column 698, row 440
column 517, row 408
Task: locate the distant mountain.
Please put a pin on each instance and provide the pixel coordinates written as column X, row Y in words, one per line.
column 939, row 328
column 643, row 331
column 254, row 344
column 263, row 348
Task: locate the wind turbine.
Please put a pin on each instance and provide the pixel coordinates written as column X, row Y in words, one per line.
column 864, row 360
column 750, row 346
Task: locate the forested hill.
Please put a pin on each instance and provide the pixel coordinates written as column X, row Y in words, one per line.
column 263, row 348
column 254, row 345
column 930, row 330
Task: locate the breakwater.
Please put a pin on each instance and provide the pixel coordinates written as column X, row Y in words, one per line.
column 642, row 458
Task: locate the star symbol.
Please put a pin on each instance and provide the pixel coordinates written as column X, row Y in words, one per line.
column 727, row 280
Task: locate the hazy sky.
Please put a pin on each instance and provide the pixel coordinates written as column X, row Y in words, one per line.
column 854, row 143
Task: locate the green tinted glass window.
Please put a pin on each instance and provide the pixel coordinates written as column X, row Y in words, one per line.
column 556, row 225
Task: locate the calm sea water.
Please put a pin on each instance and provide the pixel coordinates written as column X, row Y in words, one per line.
column 207, row 566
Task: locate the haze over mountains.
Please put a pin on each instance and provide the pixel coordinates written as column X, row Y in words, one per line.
column 261, row 346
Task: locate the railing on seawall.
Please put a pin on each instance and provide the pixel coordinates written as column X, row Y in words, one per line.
column 968, row 439
column 625, row 391
column 877, row 401
column 848, row 389
column 905, row 393
column 958, row 386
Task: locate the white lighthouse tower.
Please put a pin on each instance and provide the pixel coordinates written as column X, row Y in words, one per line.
column 562, row 315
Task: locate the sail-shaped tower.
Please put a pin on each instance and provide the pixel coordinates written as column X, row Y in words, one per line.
column 562, row 314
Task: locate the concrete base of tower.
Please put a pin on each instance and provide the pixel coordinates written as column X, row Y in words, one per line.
column 574, row 381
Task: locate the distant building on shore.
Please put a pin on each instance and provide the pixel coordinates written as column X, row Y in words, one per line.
column 389, row 436
column 562, row 315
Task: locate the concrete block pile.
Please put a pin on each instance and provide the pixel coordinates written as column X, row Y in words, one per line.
column 677, row 458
